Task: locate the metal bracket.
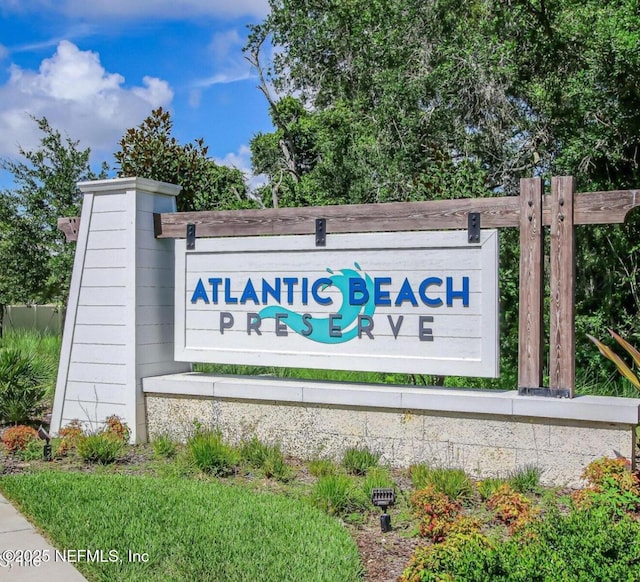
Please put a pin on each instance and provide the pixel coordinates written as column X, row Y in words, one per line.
column 548, row 392
column 473, row 227
column 70, row 227
column 321, row 232
column 191, row 237
column 157, row 224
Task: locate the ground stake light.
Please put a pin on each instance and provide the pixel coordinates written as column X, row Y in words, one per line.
column 384, row 497
column 46, row 451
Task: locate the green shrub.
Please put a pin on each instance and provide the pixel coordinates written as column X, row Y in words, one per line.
column 487, row 487
column 525, row 479
column 254, row 452
column 275, row 467
column 419, row 475
column 164, row 447
column 617, row 502
column 585, row 546
column 45, row 348
column 268, row 458
column 337, row 495
column 322, row 467
column 30, row 341
column 454, row 483
column 468, row 555
column 102, row 448
column 211, row 454
column 24, row 382
column 611, row 486
column 357, row 460
column 33, row 451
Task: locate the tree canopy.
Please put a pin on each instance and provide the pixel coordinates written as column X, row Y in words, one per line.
column 510, row 87
column 36, row 259
column 150, row 151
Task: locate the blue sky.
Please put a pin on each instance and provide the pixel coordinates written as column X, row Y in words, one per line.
column 96, row 67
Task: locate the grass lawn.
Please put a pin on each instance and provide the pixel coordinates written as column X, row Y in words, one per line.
column 261, row 523
column 190, row 529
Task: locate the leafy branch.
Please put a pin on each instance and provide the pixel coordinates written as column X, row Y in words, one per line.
column 608, row 353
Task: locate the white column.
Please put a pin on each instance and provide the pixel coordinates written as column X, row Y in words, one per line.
column 119, row 323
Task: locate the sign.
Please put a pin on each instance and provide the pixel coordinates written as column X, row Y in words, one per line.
column 413, row 302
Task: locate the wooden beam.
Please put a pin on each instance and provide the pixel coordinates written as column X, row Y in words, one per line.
column 530, row 327
column 562, row 282
column 590, row 208
column 70, row 227
column 389, row 217
column 604, row 207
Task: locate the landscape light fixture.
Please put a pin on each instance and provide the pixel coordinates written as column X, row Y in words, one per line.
column 384, row 497
column 44, row 435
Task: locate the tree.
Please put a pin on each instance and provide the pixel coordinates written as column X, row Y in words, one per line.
column 338, row 143
column 520, row 87
column 36, row 260
column 448, row 98
column 150, row 151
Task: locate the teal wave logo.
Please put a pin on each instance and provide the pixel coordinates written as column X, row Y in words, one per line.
column 348, row 313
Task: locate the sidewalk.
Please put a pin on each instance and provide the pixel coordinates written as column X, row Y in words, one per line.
column 17, row 536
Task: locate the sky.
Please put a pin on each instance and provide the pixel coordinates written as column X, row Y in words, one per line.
column 94, row 68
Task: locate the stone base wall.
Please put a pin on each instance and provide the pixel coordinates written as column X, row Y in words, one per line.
column 484, row 445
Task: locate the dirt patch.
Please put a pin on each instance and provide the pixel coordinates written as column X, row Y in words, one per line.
column 384, row 555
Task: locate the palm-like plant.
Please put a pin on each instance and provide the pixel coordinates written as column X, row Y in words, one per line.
column 23, row 385
column 608, row 353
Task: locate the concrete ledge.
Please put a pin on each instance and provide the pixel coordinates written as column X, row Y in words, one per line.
column 487, row 433
column 591, row 409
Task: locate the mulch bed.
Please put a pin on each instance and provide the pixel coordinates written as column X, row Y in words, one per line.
column 384, row 555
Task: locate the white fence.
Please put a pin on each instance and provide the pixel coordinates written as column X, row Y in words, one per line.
column 44, row 318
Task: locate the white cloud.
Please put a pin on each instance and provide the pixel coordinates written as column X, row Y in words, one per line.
column 4, row 52
column 231, row 76
column 142, row 9
column 155, row 91
column 195, row 97
column 226, row 53
column 242, row 161
column 224, row 43
column 256, row 182
column 73, row 32
column 75, row 93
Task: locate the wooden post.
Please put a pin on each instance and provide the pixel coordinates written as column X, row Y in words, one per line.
column 562, row 332
column 530, row 328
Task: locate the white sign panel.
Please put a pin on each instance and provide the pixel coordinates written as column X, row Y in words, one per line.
column 414, row 302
